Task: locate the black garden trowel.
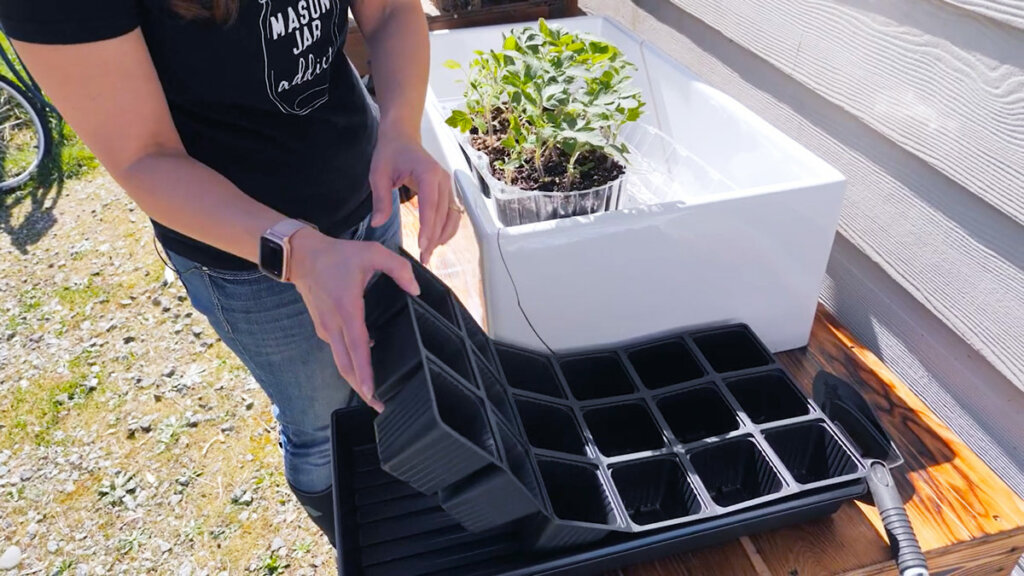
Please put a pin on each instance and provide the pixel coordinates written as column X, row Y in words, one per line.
column 857, row 421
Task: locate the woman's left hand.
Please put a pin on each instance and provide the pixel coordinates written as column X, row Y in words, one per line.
column 401, row 161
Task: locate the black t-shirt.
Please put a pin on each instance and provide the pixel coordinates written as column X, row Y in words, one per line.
column 269, row 101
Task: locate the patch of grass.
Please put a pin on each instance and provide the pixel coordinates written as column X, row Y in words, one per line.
column 29, row 301
column 75, row 158
column 76, row 298
column 63, row 567
column 39, row 406
column 272, row 565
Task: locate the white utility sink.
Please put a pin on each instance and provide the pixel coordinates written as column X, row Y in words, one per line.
column 743, row 236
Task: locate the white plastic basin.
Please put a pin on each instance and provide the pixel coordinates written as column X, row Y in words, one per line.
column 743, row 235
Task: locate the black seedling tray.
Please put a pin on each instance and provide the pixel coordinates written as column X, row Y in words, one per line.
column 682, row 430
column 387, row 528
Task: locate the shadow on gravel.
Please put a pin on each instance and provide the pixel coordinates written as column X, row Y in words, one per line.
column 27, row 214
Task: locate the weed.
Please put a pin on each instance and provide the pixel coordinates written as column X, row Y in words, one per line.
column 169, row 430
column 193, row 530
column 118, row 489
column 272, row 565
column 303, row 547
column 63, row 567
column 130, row 543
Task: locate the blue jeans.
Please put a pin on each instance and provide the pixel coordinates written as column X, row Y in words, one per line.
column 266, row 324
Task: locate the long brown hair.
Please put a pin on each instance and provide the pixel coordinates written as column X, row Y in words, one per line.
column 220, row 11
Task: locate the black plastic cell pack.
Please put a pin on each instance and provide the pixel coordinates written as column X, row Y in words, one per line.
column 681, row 430
column 386, row 527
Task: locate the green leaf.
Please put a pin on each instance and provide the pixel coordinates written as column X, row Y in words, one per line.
column 510, row 43
column 460, row 120
column 544, row 28
column 452, row 64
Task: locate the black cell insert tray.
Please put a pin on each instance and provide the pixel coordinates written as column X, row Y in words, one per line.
column 497, row 451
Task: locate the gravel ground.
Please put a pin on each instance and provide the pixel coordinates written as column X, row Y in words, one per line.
column 131, row 440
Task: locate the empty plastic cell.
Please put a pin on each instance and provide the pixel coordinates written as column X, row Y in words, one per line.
column 596, row 376
column 623, row 429
column 735, row 471
column 529, row 372
column 768, row 396
column 445, row 344
column 477, row 337
column 494, row 389
column 655, row 490
column 550, row 427
column 697, row 413
column 576, row 492
column 435, row 294
column 434, row 432
column 401, row 339
column 811, row 452
column 665, row 363
column 731, row 349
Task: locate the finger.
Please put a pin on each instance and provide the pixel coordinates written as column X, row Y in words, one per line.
column 339, row 350
column 444, row 209
column 358, row 341
column 398, row 268
column 439, row 209
column 451, row 223
column 381, row 185
column 428, row 212
column 451, row 226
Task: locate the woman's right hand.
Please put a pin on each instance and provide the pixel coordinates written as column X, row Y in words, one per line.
column 331, row 275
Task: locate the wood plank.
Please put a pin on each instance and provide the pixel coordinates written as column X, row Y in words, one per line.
column 1006, row 11
column 984, row 556
column 953, row 252
column 728, row 559
column 947, row 86
column 955, row 492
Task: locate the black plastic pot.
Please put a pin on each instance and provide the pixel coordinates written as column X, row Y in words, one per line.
column 690, row 428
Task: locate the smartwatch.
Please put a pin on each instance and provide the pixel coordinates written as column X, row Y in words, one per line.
column 275, row 248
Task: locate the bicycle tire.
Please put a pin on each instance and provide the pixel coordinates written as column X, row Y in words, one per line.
column 16, row 103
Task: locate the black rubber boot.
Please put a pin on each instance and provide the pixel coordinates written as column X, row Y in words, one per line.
column 320, row 508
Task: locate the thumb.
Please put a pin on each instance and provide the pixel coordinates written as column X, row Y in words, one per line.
column 381, row 186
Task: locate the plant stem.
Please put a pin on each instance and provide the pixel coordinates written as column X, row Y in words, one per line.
column 570, row 170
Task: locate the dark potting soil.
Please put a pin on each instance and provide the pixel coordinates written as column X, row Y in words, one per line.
column 594, row 168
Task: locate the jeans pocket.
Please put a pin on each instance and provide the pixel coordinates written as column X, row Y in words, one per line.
column 234, row 274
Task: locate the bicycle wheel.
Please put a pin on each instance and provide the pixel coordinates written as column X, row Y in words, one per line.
column 24, row 139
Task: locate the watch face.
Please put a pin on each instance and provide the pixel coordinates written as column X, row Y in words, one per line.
column 271, row 257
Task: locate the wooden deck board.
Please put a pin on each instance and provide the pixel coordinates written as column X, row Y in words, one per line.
column 967, row 519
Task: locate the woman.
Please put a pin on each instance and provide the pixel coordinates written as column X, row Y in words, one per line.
column 244, row 133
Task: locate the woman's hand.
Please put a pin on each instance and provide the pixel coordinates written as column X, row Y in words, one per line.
column 331, row 275
column 401, row 161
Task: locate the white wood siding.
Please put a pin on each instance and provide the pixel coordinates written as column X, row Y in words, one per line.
column 1007, row 11
column 855, row 82
column 942, row 83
